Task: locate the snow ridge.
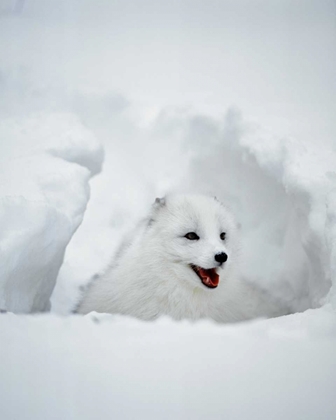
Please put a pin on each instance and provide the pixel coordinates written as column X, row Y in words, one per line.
column 43, row 196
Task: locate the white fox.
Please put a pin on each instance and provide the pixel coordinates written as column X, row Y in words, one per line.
column 183, row 262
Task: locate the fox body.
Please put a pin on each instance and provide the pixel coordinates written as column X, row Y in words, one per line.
column 183, row 262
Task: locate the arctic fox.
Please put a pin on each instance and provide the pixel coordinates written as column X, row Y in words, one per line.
column 183, row 262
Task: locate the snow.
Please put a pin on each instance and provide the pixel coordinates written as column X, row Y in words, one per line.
column 101, row 366
column 279, row 188
column 81, row 84
column 42, row 203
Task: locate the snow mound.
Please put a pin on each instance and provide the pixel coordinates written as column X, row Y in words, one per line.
column 42, row 202
column 283, row 193
column 85, row 367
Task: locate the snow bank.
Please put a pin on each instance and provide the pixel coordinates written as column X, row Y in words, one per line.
column 102, row 366
column 282, row 191
column 42, row 202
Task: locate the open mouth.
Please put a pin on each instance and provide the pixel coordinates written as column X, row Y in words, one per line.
column 208, row 277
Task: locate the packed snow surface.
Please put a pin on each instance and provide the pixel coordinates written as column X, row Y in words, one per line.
column 148, row 89
column 105, row 366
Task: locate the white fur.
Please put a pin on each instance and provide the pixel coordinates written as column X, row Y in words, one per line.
column 151, row 275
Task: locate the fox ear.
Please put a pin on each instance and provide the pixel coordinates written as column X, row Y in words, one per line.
column 159, row 202
column 157, row 205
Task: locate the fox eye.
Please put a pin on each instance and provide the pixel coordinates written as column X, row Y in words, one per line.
column 222, row 236
column 192, row 236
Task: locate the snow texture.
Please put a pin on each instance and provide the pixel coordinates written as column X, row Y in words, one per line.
column 282, row 191
column 105, row 366
column 42, row 202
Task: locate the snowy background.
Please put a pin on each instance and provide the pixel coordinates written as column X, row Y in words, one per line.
column 106, row 105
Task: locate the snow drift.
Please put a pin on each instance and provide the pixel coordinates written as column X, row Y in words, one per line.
column 281, row 190
column 101, row 366
column 42, row 203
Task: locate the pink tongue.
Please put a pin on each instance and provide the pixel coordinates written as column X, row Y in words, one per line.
column 209, row 277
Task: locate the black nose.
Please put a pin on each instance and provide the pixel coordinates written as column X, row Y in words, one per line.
column 221, row 258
